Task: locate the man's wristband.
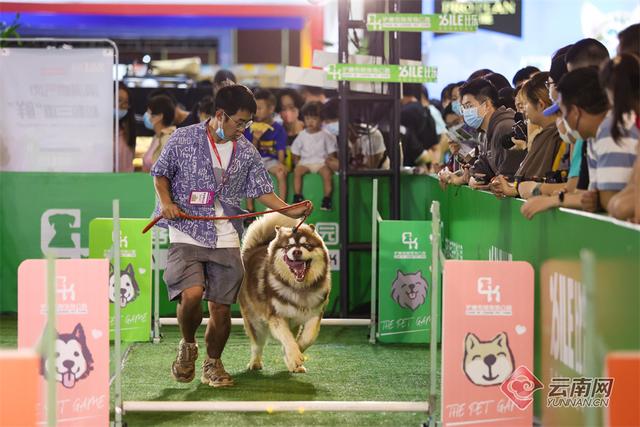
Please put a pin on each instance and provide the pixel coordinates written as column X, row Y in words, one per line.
column 536, row 190
column 561, row 197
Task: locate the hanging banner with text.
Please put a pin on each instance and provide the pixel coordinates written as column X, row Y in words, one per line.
column 82, row 345
column 383, row 73
column 437, row 23
column 135, row 274
column 404, row 282
column 487, row 346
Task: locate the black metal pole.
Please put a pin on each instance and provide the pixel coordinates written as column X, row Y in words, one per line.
column 394, row 90
column 343, row 155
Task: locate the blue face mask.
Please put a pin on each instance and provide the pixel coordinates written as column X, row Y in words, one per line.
column 333, row 128
column 472, row 118
column 147, row 121
column 220, row 132
column 121, row 114
column 456, row 107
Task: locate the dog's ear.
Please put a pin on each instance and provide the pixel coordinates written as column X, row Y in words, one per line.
column 129, row 270
column 501, row 339
column 313, row 227
column 471, row 341
column 78, row 332
column 277, row 229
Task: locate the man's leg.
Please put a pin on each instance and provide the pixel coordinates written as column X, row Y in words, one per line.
column 189, row 318
column 218, row 329
column 190, row 312
column 216, row 336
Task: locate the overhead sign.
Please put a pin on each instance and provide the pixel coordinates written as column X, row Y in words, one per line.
column 501, row 16
column 487, row 343
column 82, row 345
column 438, row 23
column 383, row 73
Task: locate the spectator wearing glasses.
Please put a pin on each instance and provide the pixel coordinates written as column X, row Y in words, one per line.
column 482, row 111
column 206, row 170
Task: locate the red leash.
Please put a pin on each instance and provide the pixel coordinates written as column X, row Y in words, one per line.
column 247, row 215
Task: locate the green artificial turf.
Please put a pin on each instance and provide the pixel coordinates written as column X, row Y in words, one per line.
column 341, row 365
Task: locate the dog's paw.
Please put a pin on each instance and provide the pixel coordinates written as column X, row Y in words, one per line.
column 300, row 370
column 293, row 359
column 255, row 365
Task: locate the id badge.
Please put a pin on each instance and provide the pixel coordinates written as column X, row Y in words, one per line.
column 201, row 198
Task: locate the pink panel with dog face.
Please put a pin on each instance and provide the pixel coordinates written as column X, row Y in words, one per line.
column 487, row 343
column 82, row 345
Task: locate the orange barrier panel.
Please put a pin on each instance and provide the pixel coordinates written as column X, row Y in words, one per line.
column 624, row 368
column 19, row 372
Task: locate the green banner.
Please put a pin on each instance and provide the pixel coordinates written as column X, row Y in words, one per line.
column 404, row 282
column 135, row 274
column 437, row 23
column 383, row 73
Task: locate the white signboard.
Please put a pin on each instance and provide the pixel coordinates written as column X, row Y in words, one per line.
column 56, row 110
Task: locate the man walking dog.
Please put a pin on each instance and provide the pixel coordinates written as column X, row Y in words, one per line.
column 206, row 170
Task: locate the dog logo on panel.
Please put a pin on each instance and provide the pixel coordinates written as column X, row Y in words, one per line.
column 129, row 289
column 409, row 290
column 73, row 358
column 487, row 363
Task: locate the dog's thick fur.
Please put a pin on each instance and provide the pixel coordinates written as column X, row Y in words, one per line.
column 286, row 285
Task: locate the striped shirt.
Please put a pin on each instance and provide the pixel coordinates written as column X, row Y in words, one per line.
column 610, row 163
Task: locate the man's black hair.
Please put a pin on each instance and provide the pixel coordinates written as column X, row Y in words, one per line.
column 479, row 73
column 523, row 74
column 162, row 104
column 482, row 90
column 265, row 95
column 331, row 109
column 222, row 75
column 586, row 53
column 235, row 97
column 412, row 89
column 581, row 88
column 205, row 105
column 630, row 40
column 499, row 81
column 558, row 68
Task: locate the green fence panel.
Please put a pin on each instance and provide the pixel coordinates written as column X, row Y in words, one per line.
column 135, row 274
column 404, row 284
column 478, row 226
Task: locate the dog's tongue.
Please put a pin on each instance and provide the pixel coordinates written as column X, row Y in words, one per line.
column 68, row 379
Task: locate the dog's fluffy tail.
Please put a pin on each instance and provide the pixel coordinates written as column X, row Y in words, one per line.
column 262, row 231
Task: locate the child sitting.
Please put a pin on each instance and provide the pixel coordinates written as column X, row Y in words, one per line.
column 312, row 147
column 270, row 138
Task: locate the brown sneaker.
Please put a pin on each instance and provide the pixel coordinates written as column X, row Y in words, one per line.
column 183, row 368
column 213, row 373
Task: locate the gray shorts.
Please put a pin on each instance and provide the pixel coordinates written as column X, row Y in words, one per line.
column 220, row 271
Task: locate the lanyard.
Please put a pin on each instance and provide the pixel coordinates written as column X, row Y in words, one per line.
column 215, row 151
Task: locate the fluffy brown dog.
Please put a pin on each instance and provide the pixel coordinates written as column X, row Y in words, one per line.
column 286, row 284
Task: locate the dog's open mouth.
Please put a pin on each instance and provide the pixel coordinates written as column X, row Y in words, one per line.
column 412, row 294
column 68, row 379
column 298, row 268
